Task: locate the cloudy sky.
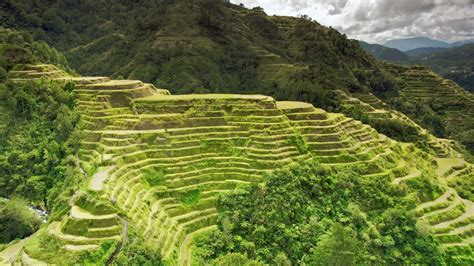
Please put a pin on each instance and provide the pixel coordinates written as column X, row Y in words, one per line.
column 380, row 20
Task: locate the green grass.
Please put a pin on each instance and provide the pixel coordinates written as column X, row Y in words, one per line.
column 190, row 197
column 153, row 177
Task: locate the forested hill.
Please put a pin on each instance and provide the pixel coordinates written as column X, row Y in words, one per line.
column 200, row 45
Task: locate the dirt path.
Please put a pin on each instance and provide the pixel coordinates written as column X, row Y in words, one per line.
column 413, row 174
column 98, row 179
column 8, row 255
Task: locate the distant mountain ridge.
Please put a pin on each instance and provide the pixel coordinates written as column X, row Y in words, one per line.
column 408, row 44
column 413, row 43
column 454, row 62
column 424, row 51
column 384, row 53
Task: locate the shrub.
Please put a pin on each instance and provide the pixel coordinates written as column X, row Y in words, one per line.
column 17, row 220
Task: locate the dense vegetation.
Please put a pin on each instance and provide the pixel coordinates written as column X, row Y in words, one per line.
column 20, row 48
column 313, row 215
column 16, row 220
column 199, row 46
column 137, row 253
column 394, row 128
column 38, row 139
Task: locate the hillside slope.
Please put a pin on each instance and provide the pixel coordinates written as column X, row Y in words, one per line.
column 383, row 53
column 456, row 64
column 452, row 63
column 435, row 103
column 163, row 160
column 199, row 45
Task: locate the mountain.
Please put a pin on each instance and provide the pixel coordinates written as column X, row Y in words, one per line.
column 423, row 51
column 414, row 43
column 452, row 63
column 455, row 63
column 199, row 46
column 383, row 53
column 462, row 42
column 223, row 137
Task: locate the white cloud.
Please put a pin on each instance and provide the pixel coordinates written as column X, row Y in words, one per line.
column 380, row 20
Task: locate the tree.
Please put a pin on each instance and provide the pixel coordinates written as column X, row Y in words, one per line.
column 236, row 259
column 338, row 247
column 16, row 220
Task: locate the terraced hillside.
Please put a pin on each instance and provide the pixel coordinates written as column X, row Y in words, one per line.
column 373, row 108
column 450, row 216
column 162, row 160
column 422, row 88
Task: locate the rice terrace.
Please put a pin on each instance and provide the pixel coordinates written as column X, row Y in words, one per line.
column 205, row 132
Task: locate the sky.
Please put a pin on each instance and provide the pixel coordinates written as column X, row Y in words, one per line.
column 378, row 21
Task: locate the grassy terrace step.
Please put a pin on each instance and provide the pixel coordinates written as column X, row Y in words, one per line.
column 451, row 212
column 437, row 203
column 29, row 261
column 114, row 85
column 133, row 92
column 183, row 103
column 185, row 228
column 213, row 177
column 80, row 247
column 78, row 213
column 457, row 235
column 463, row 220
column 55, row 229
column 413, row 174
column 459, row 172
column 167, row 163
column 445, row 208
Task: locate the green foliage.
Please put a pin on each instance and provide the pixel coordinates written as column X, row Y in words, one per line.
column 297, row 212
column 93, row 203
column 136, row 252
column 298, row 141
column 235, row 259
column 427, row 188
column 38, row 139
column 18, row 47
column 153, row 177
column 190, row 197
column 100, row 256
column 394, row 128
column 338, row 247
column 464, row 185
column 391, row 127
column 435, row 123
column 16, row 220
column 467, row 139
